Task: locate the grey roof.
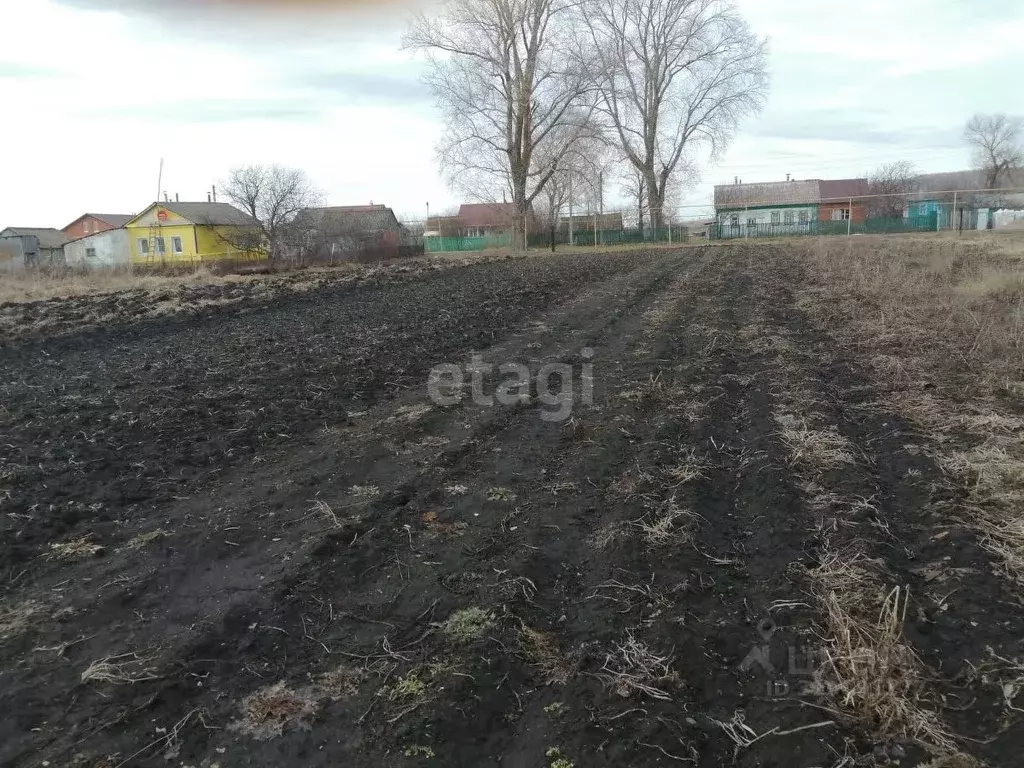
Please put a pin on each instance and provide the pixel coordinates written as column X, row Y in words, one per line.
column 769, row 193
column 116, row 220
column 47, row 236
column 348, row 219
column 217, row 214
column 837, row 189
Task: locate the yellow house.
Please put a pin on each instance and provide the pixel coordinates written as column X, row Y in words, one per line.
column 174, row 233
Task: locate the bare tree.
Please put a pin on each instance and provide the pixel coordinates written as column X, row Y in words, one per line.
column 634, row 189
column 896, row 181
column 511, row 96
column 675, row 77
column 273, row 195
column 997, row 142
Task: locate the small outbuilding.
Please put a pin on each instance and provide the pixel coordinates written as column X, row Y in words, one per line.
column 30, row 247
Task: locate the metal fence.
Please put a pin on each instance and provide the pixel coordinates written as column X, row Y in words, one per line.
column 561, row 236
column 878, row 226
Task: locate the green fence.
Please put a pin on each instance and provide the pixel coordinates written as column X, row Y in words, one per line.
column 543, row 239
column 927, row 223
column 444, row 244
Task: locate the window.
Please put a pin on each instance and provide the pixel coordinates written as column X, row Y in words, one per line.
column 840, row 214
column 805, row 216
column 90, row 253
column 735, row 219
column 776, row 217
column 176, row 245
column 143, row 246
column 159, row 245
column 789, row 217
column 751, row 222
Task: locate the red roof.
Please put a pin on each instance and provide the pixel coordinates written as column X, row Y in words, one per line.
column 487, row 214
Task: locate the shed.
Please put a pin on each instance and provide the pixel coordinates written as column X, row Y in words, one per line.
column 22, row 247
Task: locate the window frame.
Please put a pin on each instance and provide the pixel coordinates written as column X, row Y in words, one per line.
column 143, row 245
column 160, row 246
column 177, row 245
column 776, row 218
column 90, row 253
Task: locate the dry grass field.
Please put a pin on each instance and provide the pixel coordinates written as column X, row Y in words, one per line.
column 785, row 529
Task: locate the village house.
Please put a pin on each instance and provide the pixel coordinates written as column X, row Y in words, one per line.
column 349, row 229
column 107, row 248
column 92, row 223
column 173, row 232
column 788, row 207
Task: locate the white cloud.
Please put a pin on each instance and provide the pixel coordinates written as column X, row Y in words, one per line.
column 116, row 85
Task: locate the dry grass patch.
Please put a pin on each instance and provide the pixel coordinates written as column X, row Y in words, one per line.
column 145, row 539
column 633, row 667
column 816, row 448
column 607, row 535
column 125, row 669
column 872, row 673
column 342, row 682
column 268, row 711
column 15, row 619
column 541, row 650
column 669, row 523
column 74, row 549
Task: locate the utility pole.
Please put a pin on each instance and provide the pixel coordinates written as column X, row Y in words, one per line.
column 570, row 208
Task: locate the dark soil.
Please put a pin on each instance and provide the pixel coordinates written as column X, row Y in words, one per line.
column 264, row 494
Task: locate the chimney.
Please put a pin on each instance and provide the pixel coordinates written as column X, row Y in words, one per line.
column 208, row 197
column 736, row 180
column 167, row 199
column 176, row 198
column 787, row 177
column 215, row 193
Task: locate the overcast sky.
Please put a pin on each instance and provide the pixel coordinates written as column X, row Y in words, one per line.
column 95, row 92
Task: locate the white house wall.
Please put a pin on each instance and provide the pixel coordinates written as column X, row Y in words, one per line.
column 763, row 216
column 111, row 250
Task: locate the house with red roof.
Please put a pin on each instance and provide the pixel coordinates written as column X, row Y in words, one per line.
column 489, row 219
column 788, row 207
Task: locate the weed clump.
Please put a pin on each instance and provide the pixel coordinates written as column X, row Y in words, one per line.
column 468, row 624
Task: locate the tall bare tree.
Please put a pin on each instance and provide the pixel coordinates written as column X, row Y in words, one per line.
column 675, row 77
column 634, row 189
column 997, row 142
column 895, row 181
column 272, row 195
column 511, row 94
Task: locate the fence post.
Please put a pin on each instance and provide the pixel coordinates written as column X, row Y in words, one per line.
column 953, row 217
column 746, row 221
column 670, row 232
column 595, row 230
column 849, row 219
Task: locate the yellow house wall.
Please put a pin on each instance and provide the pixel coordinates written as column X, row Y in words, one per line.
column 219, row 243
column 198, row 241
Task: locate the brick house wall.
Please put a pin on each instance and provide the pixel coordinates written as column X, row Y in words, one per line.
column 87, row 225
column 859, row 211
